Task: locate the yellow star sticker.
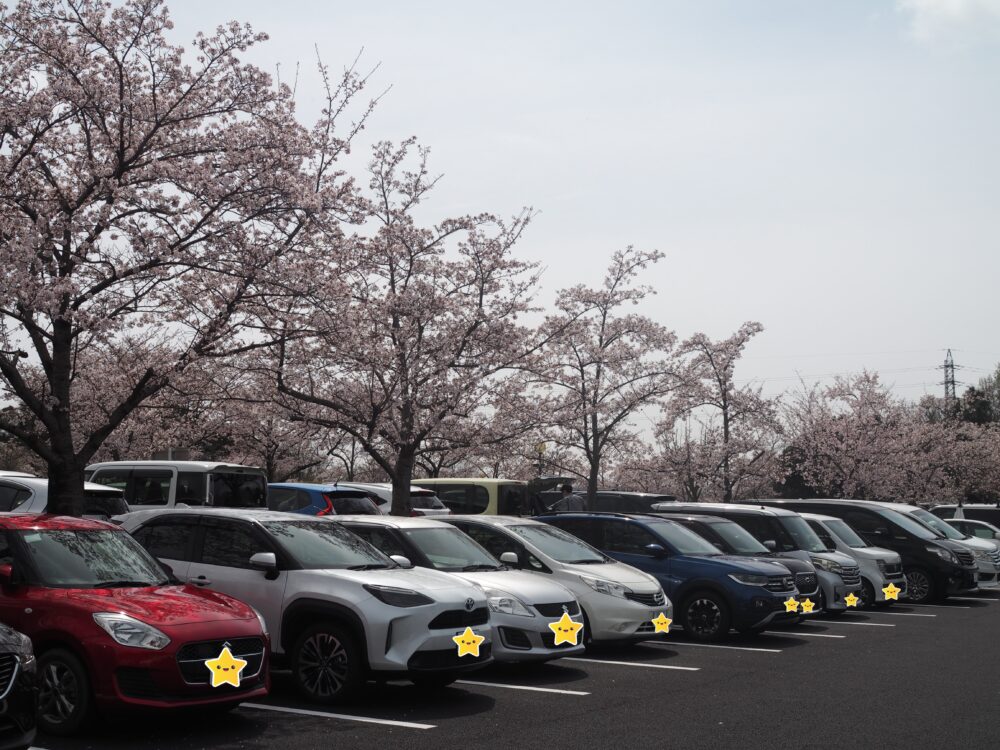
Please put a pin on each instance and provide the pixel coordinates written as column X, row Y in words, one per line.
column 662, row 624
column 807, row 606
column 468, row 642
column 226, row 668
column 851, row 600
column 566, row 630
column 891, row 591
column 791, row 605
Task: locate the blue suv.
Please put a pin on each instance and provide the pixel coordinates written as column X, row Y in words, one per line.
column 319, row 499
column 712, row 592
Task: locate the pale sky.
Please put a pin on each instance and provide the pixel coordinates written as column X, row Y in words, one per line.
column 828, row 168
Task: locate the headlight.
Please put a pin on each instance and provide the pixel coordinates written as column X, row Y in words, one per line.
column 828, row 565
column 396, row 597
column 944, row 554
column 881, row 565
column 508, row 604
column 749, row 579
column 260, row 619
column 129, row 631
column 981, row 554
column 26, row 653
column 606, row 587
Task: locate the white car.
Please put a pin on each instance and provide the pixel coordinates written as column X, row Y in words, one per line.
column 423, row 502
column 879, row 566
column 986, row 552
column 979, row 529
column 618, row 601
column 338, row 611
column 522, row 605
column 28, row 494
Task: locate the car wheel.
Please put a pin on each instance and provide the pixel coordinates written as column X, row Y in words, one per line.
column 433, row 681
column 326, row 663
column 919, row 586
column 64, row 700
column 706, row 616
column 821, row 605
column 867, row 598
column 588, row 640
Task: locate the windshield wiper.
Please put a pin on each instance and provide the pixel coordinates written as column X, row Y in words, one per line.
column 368, row 566
column 125, row 584
column 480, row 566
column 588, row 561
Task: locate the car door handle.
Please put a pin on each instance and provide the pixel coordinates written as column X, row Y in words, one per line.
column 200, row 581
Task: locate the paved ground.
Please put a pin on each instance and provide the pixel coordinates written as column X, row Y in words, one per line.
column 910, row 677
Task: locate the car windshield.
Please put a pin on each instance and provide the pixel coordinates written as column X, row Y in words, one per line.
column 89, row 559
column 908, row 524
column 804, row 537
column 237, row 490
column 451, row 550
column 946, row 529
column 738, row 540
column 321, row 545
column 846, row 533
column 559, row 545
column 683, row 540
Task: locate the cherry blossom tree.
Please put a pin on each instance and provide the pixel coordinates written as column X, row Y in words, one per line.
column 604, row 365
column 414, row 329
column 152, row 198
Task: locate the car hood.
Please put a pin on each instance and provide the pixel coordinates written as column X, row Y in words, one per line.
column 838, row 557
column 418, row 579
column 739, row 564
column 528, row 587
column 11, row 640
column 794, row 564
column 619, row 573
column 877, row 553
column 159, row 606
column 977, row 544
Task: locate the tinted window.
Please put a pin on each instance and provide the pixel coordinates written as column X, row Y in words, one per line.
column 103, row 503
column 866, row 523
column 150, row 486
column 908, row 524
column 318, row 544
column 938, row 525
column 464, row 498
column 117, row 478
column 800, row 535
column 384, row 540
column 192, row 488
column 628, row 538
column 846, row 534
column 344, row 505
column 823, row 534
column 12, row 496
column 982, row 532
column 231, row 545
column 512, row 499
column 169, row 540
column 583, row 528
column 425, row 501
column 287, row 499
column 237, row 490
column 89, row 559
column 762, row 528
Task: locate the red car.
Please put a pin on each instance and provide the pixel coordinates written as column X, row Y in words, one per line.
column 111, row 628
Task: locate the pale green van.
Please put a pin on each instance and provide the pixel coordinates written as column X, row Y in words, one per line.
column 494, row 497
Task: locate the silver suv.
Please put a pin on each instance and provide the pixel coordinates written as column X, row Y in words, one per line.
column 337, row 609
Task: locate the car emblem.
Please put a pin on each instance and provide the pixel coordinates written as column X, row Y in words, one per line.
column 470, row 604
column 565, row 609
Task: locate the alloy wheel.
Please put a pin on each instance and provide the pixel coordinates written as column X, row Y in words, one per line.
column 58, row 694
column 918, row 585
column 323, row 665
column 704, row 617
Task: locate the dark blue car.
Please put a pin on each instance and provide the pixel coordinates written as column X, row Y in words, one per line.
column 711, row 591
column 319, row 499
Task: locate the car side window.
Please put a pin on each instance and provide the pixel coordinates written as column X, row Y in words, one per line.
column 628, row 538
column 496, row 543
column 117, row 478
column 6, row 552
column 583, row 528
column 758, row 526
column 823, row 534
column 287, row 499
column 862, row 522
column 231, row 544
column 381, row 539
column 463, row 498
column 150, row 487
column 981, row 532
column 12, row 496
column 169, row 540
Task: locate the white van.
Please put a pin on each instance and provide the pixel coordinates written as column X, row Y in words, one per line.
column 165, row 484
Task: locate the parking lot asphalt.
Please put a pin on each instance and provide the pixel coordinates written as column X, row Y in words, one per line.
column 906, row 677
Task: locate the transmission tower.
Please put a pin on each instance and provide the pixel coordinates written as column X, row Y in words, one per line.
column 949, row 378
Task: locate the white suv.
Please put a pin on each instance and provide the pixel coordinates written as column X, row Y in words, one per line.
column 522, row 606
column 337, row 609
column 618, row 601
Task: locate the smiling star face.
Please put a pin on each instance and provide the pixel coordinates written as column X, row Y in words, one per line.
column 468, row 642
column 566, row 630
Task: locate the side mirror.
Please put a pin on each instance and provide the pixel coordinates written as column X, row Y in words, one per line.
column 510, row 558
column 771, row 545
column 881, row 531
column 656, row 550
column 266, row 561
column 6, row 574
column 403, row 562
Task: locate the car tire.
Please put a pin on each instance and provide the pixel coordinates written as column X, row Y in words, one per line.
column 706, row 616
column 867, row 595
column 65, row 702
column 920, row 586
column 433, row 680
column 326, row 664
column 588, row 639
column 821, row 605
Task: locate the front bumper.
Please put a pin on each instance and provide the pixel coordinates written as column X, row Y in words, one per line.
column 622, row 619
column 896, row 579
column 768, row 610
column 988, row 575
column 834, row 590
column 420, row 641
column 18, row 710
column 962, row 581
column 519, row 638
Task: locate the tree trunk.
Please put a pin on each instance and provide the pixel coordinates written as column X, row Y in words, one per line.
column 595, row 468
column 65, row 487
column 401, row 477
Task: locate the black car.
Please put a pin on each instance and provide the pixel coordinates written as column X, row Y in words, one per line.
column 18, row 691
column 934, row 567
column 614, row 501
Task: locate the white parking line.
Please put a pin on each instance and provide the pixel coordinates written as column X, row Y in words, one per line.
column 712, row 645
column 346, row 717
column 974, row 599
column 902, row 614
column 522, row 687
column 632, row 664
column 796, row 633
column 846, row 622
column 941, row 606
